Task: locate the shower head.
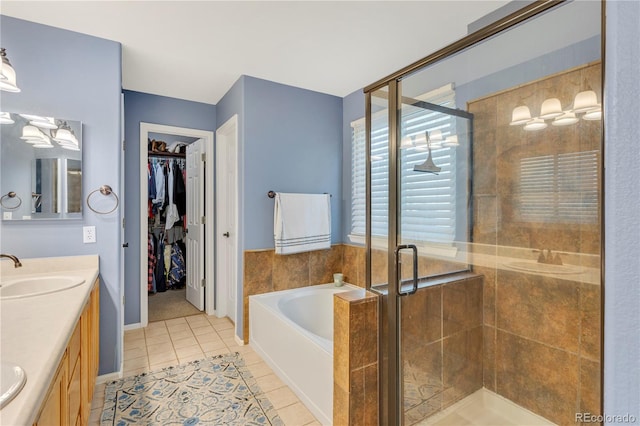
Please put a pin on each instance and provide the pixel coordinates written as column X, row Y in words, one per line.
column 428, row 166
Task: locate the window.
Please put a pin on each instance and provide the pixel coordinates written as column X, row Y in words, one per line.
column 428, row 201
column 560, row 188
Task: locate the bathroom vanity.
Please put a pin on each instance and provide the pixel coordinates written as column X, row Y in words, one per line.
column 50, row 329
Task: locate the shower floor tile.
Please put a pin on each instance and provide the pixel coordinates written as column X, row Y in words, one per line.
column 485, row 408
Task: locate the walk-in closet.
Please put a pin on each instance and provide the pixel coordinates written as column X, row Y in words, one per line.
column 167, row 221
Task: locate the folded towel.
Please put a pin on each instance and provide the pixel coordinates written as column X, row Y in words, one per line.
column 302, row 222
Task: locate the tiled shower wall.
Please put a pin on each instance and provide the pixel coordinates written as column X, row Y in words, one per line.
column 441, row 345
column 264, row 271
column 541, row 334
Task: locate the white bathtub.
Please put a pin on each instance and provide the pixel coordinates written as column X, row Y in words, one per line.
column 292, row 330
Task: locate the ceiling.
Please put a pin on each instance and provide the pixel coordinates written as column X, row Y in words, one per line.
column 195, row 50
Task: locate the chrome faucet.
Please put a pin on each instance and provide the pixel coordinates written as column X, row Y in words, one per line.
column 16, row 261
column 549, row 258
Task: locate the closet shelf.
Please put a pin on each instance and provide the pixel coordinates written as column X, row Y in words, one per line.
column 167, row 154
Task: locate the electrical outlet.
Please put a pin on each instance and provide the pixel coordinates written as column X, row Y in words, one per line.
column 6, row 215
column 88, row 234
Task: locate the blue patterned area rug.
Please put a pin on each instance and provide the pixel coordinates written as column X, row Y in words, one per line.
column 218, row 390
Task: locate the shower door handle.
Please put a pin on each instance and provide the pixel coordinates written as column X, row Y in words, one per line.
column 414, row 286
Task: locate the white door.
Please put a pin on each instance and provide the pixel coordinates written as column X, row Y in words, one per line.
column 195, row 225
column 227, row 229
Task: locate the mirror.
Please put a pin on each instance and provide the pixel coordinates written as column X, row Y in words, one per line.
column 41, row 159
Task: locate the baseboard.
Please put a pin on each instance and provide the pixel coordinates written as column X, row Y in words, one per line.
column 135, row 326
column 238, row 340
column 109, row 377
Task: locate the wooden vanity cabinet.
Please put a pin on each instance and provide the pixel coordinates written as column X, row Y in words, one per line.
column 68, row 401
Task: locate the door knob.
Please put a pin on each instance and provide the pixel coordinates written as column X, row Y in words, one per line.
column 226, row 234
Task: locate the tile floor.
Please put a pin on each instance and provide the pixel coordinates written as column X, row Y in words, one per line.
column 180, row 340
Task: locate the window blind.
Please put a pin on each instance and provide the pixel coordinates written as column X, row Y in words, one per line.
column 427, row 201
column 560, row 188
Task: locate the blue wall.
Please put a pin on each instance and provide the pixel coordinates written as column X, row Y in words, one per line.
column 622, row 204
column 67, row 74
column 143, row 107
column 292, row 143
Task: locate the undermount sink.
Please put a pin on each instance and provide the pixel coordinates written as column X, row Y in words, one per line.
column 545, row 268
column 12, row 380
column 35, row 286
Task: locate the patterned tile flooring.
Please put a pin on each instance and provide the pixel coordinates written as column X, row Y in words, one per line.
column 180, row 340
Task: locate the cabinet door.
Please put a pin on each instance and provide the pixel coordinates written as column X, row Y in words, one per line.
column 90, row 330
column 54, row 410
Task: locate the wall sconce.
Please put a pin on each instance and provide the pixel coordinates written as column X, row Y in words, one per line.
column 7, row 74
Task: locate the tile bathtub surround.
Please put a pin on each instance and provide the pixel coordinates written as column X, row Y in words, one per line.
column 180, row 340
column 355, row 366
column 264, row 271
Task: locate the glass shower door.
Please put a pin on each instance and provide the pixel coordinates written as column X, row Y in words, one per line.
column 433, row 231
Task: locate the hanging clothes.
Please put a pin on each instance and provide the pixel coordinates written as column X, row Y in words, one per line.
column 159, row 177
column 151, row 264
column 178, row 267
column 172, row 210
column 159, row 275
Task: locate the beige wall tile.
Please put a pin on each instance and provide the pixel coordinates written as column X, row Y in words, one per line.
column 422, row 316
column 324, row 263
column 590, row 388
column 461, row 365
column 591, row 321
column 462, row 306
column 539, row 308
column 538, row 377
column 290, row 271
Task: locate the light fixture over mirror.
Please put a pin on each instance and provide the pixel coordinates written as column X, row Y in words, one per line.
column 41, row 162
column 7, row 74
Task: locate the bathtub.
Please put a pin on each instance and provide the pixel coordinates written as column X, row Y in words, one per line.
column 292, row 330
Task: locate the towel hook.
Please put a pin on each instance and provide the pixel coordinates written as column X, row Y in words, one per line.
column 9, row 195
column 105, row 190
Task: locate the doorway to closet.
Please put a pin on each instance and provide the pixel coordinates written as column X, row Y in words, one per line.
column 174, row 236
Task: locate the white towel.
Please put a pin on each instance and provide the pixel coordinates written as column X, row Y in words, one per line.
column 302, row 222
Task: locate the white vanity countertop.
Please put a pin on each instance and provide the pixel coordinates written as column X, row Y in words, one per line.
column 35, row 330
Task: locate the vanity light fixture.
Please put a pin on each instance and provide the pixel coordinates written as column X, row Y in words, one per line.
column 435, row 137
column 585, row 101
column 535, row 124
column 407, row 142
column 550, row 108
column 520, row 115
column 595, row 114
column 5, row 118
column 31, row 134
column 565, row 119
column 65, row 136
column 451, row 141
column 7, row 74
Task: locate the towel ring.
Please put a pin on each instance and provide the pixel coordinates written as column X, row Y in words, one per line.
column 106, row 191
column 8, row 196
